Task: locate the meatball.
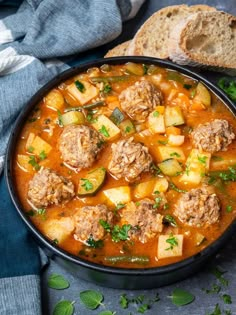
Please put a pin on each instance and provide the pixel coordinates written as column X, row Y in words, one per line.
column 129, row 159
column 146, row 222
column 79, row 146
column 87, row 222
column 47, row 188
column 198, row 207
column 213, row 136
column 140, row 99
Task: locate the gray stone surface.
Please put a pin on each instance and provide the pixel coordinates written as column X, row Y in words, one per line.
column 226, row 259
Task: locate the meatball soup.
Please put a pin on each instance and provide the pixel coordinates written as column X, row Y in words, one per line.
column 129, row 165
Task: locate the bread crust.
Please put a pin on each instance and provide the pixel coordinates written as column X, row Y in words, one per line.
column 193, row 44
column 119, row 50
column 152, row 37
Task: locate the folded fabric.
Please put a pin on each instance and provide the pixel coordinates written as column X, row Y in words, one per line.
column 41, row 29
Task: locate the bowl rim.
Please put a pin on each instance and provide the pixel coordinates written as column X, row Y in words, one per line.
column 148, row 271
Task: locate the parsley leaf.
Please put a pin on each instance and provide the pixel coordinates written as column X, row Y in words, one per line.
column 42, row 155
column 107, row 89
column 227, row 299
column 105, row 225
column 124, row 302
column 87, row 184
column 80, row 86
column 104, row 131
column 173, row 241
column 173, row 187
column 94, row 244
column 169, row 220
column 120, row 233
column 33, row 162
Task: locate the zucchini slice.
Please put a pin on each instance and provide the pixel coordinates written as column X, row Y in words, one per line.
column 92, row 182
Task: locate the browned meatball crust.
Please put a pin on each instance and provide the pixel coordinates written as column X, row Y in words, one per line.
column 146, row 222
column 140, row 99
column 87, row 222
column 47, row 188
column 198, row 207
column 213, row 136
column 79, row 146
column 129, row 159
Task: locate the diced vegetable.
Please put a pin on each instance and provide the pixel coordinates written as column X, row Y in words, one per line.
column 118, row 195
column 165, row 152
column 85, row 94
column 161, row 185
column 156, row 122
column 40, row 145
column 91, row 182
column 23, row 162
column 117, row 116
column 175, row 140
column 28, row 145
column 173, row 131
column 202, row 95
column 144, row 189
column 106, row 127
column 141, row 260
column 72, row 118
column 199, row 238
column 54, row 100
column 197, row 165
column 134, row 68
column 127, row 127
column 170, row 246
column 170, row 167
column 173, row 116
column 58, row 229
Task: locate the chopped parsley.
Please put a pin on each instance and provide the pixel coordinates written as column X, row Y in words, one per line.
column 33, row 162
column 145, row 69
column 168, row 219
column 187, row 86
column 94, row 244
column 124, row 302
column 105, row 225
column 104, row 131
column 119, row 206
column 227, row 299
column 175, row 154
column 120, row 233
column 157, row 203
column 80, row 86
column 202, row 159
column 219, row 275
column 156, row 113
column 164, row 142
column 128, row 129
column 228, row 86
column 229, row 208
column 107, row 89
column 87, row 184
column 172, row 241
column 30, row 149
column 42, row 155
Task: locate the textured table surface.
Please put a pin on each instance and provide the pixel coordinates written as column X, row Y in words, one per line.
column 226, row 258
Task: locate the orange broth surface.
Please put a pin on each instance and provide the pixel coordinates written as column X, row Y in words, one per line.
column 177, row 90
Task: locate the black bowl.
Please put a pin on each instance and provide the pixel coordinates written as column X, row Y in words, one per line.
column 104, row 275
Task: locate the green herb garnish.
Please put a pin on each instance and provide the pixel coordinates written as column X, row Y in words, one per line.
column 174, row 187
column 42, row 155
column 64, row 307
column 58, row 282
column 219, row 275
column 202, row 159
column 169, row 219
column 229, row 208
column 94, row 244
column 124, row 302
column 228, row 86
column 104, row 131
column 30, row 149
column 59, row 117
column 173, row 241
column 175, row 154
column 164, row 142
column 181, row 297
column 107, row 89
column 33, row 162
column 80, row 86
column 120, row 233
column 157, row 203
column 91, row 299
column 105, row 225
column 128, row 129
column 156, row 113
column 87, row 184
column 187, row 86
column 227, row 299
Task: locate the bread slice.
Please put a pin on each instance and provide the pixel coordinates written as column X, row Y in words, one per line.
column 118, row 50
column 205, row 39
column 153, row 36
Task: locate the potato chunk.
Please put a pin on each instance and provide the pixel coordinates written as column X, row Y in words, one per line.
column 58, row 229
column 165, row 152
column 39, row 145
column 54, row 100
column 106, row 127
column 170, row 246
column 82, row 91
column 118, row 195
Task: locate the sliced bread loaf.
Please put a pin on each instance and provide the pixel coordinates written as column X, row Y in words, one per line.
column 205, row 39
column 153, row 36
column 119, row 50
